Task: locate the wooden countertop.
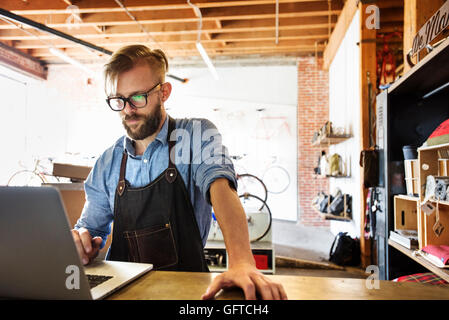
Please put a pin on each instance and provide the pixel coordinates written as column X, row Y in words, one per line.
column 169, row 285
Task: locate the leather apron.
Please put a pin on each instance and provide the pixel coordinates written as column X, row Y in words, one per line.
column 156, row 223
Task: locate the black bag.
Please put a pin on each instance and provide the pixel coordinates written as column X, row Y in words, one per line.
column 337, row 206
column 325, row 203
column 369, row 161
column 346, row 252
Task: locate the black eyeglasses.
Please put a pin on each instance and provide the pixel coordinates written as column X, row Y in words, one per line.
column 139, row 100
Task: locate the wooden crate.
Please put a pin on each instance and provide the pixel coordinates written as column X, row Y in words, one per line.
column 411, row 177
column 406, row 213
column 429, row 221
column 428, row 166
column 430, row 163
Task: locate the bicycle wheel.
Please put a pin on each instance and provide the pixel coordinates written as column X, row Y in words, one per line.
column 25, row 178
column 277, row 179
column 248, row 183
column 258, row 216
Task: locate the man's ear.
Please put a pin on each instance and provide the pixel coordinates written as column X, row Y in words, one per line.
column 165, row 91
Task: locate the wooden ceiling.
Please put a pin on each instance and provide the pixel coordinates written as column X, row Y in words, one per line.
column 245, row 28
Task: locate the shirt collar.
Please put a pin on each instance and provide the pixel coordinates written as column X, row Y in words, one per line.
column 161, row 137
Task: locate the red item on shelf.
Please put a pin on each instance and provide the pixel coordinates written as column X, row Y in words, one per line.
column 261, row 261
column 439, row 251
column 428, row 277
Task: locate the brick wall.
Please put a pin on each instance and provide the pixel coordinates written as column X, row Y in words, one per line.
column 313, row 112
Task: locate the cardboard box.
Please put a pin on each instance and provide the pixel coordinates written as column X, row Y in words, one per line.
column 73, row 197
column 74, row 172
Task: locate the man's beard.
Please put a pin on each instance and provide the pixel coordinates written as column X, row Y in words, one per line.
column 149, row 126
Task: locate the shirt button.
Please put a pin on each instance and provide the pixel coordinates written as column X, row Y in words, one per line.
column 145, row 160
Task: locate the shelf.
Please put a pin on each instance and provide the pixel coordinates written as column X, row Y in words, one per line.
column 409, row 253
column 426, row 76
column 438, row 146
column 407, row 197
column 338, row 177
column 331, row 139
column 444, row 203
column 329, row 176
column 329, row 216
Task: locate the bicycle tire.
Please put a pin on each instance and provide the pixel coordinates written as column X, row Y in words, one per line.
column 283, row 187
column 21, row 172
column 264, row 204
column 253, row 177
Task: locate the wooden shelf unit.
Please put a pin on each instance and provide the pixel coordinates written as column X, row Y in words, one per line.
column 330, row 216
column 407, row 114
column 331, row 139
column 325, row 141
column 408, row 214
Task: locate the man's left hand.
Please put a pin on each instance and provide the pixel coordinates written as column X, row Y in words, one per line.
column 250, row 280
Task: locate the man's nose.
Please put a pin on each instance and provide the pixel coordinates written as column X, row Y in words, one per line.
column 128, row 108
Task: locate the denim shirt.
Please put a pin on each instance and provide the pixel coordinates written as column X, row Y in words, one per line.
column 200, row 159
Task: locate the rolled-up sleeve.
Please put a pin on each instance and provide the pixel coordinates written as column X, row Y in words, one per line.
column 96, row 215
column 210, row 159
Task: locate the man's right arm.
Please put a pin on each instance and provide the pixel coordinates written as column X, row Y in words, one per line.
column 94, row 225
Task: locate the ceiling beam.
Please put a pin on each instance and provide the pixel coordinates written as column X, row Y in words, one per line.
column 179, row 16
column 344, row 20
column 92, row 6
column 168, row 30
column 44, row 28
column 22, row 62
column 318, row 34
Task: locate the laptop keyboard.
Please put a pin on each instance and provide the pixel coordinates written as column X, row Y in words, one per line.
column 95, row 280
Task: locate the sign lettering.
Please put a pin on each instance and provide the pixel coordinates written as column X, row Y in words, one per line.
column 432, row 28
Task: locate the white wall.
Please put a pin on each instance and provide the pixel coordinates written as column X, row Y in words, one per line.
column 344, row 111
column 69, row 119
column 232, row 102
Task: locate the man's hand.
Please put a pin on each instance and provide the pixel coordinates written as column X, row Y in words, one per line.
column 250, row 280
column 87, row 247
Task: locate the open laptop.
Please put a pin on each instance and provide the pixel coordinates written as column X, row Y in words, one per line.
column 38, row 257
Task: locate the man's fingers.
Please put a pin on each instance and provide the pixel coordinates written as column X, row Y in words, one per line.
column 250, row 290
column 282, row 292
column 86, row 240
column 213, row 288
column 96, row 241
column 263, row 287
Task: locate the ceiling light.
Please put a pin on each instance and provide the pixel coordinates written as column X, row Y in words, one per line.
column 72, row 61
column 206, row 59
column 198, row 44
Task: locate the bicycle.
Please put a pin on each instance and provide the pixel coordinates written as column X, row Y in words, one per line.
column 248, row 183
column 276, row 177
column 259, row 219
column 35, row 177
column 268, row 127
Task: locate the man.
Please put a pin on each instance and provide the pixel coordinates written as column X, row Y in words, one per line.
column 160, row 200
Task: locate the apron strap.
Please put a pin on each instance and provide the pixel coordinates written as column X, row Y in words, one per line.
column 121, row 181
column 171, row 172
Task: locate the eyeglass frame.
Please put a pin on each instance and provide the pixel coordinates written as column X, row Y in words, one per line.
column 128, row 99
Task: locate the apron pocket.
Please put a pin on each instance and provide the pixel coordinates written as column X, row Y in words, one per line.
column 153, row 245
